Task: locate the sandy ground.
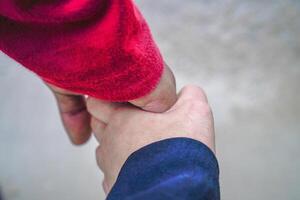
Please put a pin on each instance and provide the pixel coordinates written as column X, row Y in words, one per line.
column 245, row 54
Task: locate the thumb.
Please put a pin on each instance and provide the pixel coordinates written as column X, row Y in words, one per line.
column 163, row 97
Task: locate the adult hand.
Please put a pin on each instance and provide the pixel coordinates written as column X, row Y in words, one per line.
column 76, row 119
column 122, row 129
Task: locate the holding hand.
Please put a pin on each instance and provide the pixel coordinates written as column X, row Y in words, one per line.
column 122, row 129
column 76, row 119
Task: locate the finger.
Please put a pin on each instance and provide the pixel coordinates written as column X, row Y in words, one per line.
column 99, row 158
column 101, row 110
column 74, row 116
column 105, row 187
column 100, row 162
column 163, row 97
column 98, row 128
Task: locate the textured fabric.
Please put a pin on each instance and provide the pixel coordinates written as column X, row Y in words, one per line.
column 177, row 169
column 102, row 48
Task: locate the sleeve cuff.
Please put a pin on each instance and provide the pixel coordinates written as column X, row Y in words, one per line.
column 177, row 168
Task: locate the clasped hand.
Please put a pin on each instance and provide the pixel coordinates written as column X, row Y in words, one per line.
column 123, row 128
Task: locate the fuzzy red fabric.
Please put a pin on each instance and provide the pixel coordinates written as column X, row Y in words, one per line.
column 102, row 48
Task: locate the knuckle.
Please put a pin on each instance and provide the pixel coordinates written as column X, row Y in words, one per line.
column 193, row 105
column 99, row 156
column 196, row 92
column 193, row 88
column 198, row 105
column 98, row 151
column 206, row 110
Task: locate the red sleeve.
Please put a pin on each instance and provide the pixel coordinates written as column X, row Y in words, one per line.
column 102, row 48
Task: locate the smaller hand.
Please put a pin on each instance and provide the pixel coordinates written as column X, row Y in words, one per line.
column 76, row 119
column 122, row 129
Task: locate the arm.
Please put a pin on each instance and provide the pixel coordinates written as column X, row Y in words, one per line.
column 100, row 48
column 83, row 46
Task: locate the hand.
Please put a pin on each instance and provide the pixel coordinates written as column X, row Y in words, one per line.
column 76, row 119
column 122, row 129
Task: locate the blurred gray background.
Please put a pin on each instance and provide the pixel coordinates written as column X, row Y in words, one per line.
column 245, row 54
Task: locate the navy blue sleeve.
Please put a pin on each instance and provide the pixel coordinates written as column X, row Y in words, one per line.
column 177, row 169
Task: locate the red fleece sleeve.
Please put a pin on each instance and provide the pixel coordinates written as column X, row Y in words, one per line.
column 102, row 48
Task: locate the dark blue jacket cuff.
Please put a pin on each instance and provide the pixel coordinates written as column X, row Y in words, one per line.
column 177, row 168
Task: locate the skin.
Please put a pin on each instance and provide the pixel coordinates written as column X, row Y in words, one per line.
column 76, row 119
column 122, row 129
